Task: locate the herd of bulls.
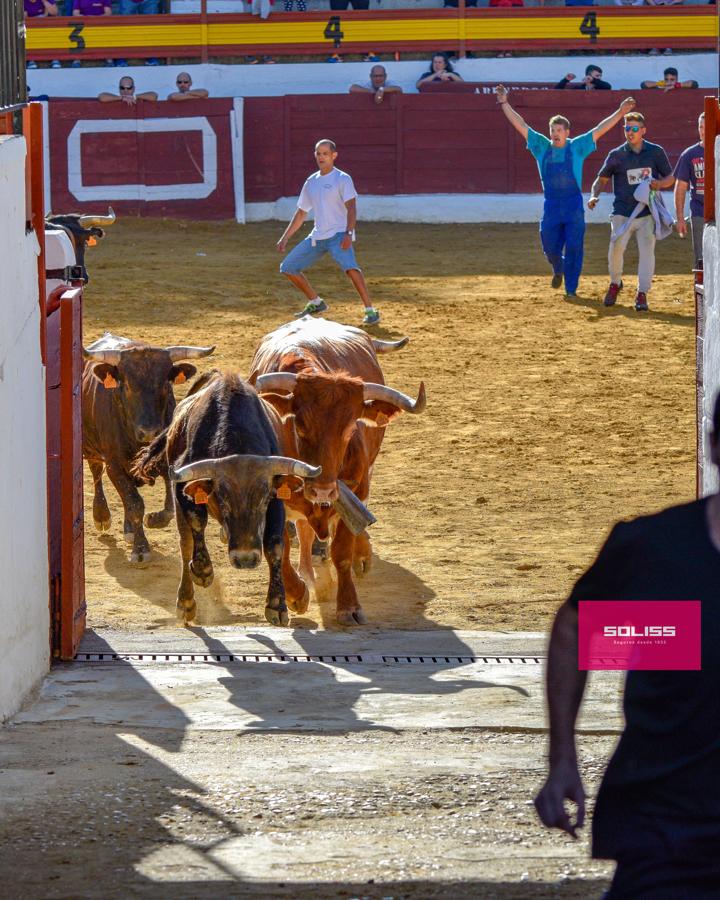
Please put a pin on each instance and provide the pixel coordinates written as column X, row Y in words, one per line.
column 295, row 441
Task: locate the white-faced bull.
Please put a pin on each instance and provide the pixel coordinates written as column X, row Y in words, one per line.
column 222, row 452
column 127, row 401
column 83, row 230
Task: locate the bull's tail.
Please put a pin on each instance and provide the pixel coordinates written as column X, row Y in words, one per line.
column 389, row 346
column 151, row 461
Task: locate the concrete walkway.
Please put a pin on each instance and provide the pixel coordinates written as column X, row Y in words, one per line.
column 403, row 767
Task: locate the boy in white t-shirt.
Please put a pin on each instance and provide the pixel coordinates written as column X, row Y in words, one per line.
column 332, row 195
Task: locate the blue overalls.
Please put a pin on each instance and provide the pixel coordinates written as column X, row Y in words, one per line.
column 563, row 223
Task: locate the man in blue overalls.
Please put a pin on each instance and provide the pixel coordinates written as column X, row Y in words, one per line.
column 560, row 160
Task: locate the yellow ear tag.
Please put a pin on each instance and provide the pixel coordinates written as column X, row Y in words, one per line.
column 109, row 382
column 283, row 492
column 382, row 419
column 91, row 242
column 180, row 377
column 200, row 496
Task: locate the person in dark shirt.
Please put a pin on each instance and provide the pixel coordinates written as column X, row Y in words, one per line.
column 634, row 161
column 591, row 82
column 441, row 70
column 690, row 172
column 658, row 809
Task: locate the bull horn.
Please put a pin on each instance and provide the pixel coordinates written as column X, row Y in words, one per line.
column 286, row 465
column 389, row 395
column 204, row 468
column 389, row 346
column 178, row 353
column 276, row 381
column 111, row 357
column 98, row 221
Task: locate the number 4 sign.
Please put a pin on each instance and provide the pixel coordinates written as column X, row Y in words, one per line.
column 589, row 26
column 333, row 31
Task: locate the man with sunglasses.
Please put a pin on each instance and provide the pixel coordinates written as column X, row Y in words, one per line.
column 185, row 90
column 634, row 161
column 127, row 93
column 560, row 160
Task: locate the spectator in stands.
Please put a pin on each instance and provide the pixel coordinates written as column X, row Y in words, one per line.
column 346, row 4
column 499, row 4
column 140, row 8
column 591, row 82
column 454, row 3
column 690, row 172
column 127, row 93
column 378, row 85
column 628, row 165
column 91, row 8
column 670, row 82
column 34, row 8
column 440, row 70
column 185, row 90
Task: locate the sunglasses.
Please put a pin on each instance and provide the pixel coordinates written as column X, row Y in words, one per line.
column 634, row 128
column 123, row 88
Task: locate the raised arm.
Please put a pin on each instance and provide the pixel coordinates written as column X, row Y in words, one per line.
column 515, row 119
column 597, row 186
column 565, row 685
column 611, row 121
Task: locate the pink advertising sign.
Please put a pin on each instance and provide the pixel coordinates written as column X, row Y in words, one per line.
column 639, row 634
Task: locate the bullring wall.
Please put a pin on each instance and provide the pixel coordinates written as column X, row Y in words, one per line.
column 24, row 636
column 709, row 363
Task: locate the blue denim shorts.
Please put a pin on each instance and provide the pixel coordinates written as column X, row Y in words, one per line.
column 305, row 255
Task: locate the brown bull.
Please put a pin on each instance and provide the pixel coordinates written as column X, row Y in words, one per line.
column 325, row 381
column 127, row 401
column 222, row 451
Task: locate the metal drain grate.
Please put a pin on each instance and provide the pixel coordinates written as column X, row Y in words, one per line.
column 354, row 659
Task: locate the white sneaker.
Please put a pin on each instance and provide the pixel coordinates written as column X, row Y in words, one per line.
column 56, row 64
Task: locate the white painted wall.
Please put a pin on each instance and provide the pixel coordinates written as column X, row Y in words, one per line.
column 623, row 73
column 24, row 635
column 711, row 342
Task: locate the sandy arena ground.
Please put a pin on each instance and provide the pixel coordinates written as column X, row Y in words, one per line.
column 547, row 420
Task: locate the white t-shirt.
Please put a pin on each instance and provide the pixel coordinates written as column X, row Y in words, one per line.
column 327, row 196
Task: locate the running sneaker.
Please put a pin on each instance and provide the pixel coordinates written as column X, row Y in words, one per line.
column 312, row 307
column 372, row 316
column 641, row 304
column 571, row 296
column 557, row 280
column 612, row 293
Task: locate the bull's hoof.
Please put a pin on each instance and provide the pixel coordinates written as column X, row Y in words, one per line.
column 102, row 525
column 277, row 616
column 362, row 565
column 203, row 579
column 137, row 557
column 300, row 606
column 352, row 617
column 159, row 519
column 186, row 611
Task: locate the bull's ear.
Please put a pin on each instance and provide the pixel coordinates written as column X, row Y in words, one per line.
column 107, row 374
column 181, row 373
column 281, row 403
column 198, row 491
column 378, row 413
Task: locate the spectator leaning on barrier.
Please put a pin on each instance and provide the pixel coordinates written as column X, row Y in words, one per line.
column 634, row 161
column 127, row 93
column 658, row 808
column 378, row 85
column 440, row 70
column 690, row 172
column 35, row 8
column 591, row 82
column 670, row 82
column 185, row 90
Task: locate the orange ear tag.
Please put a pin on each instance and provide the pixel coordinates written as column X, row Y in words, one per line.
column 283, row 492
column 200, row 497
column 382, row 420
column 91, row 242
column 180, row 377
column 109, row 382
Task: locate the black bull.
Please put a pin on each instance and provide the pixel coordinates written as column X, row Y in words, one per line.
column 223, row 453
column 82, row 230
column 127, row 401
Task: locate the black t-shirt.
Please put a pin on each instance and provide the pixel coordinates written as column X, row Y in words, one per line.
column 667, row 763
column 627, row 169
